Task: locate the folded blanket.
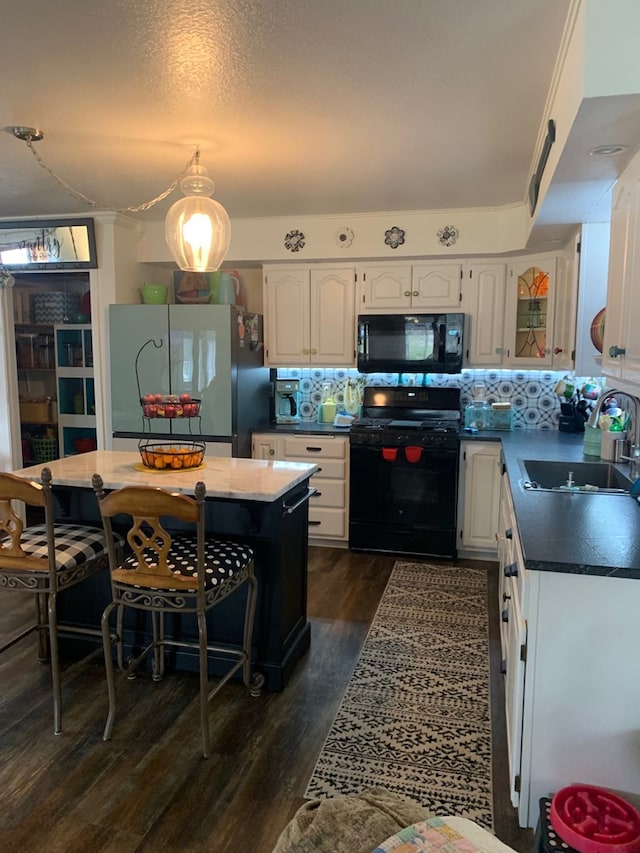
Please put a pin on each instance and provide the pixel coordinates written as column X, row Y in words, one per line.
column 356, row 823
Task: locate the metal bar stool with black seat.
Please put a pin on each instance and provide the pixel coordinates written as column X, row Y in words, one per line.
column 45, row 559
column 179, row 572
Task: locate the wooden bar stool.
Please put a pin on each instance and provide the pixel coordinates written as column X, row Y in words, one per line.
column 43, row 560
column 173, row 573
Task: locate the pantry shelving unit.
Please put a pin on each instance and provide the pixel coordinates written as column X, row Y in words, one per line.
column 76, row 390
column 37, row 390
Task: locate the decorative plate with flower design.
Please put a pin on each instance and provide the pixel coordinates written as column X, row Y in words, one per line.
column 294, row 240
column 344, row 237
column 448, row 235
column 394, row 237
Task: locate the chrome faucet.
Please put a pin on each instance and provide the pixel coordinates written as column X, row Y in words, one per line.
column 634, row 452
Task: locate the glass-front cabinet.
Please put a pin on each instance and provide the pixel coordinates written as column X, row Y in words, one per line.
column 530, row 310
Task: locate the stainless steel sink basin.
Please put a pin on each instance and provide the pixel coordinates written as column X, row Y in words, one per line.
column 574, row 477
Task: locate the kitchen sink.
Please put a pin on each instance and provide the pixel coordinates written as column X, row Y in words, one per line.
column 575, row 477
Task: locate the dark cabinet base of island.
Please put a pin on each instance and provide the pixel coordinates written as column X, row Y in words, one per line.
column 277, row 532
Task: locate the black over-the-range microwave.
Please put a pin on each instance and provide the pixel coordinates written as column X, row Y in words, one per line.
column 410, row 343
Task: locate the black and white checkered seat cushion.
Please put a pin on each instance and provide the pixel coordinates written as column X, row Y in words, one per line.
column 75, row 543
column 222, row 560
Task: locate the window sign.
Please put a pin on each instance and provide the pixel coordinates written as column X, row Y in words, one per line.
column 42, row 244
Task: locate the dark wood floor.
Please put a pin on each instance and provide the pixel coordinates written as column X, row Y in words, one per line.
column 148, row 789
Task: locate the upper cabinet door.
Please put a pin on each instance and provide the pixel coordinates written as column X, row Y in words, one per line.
column 484, row 294
column 332, row 317
column 310, row 316
column 385, row 287
column 436, row 286
column 621, row 350
column 530, row 310
column 286, row 302
column 566, row 307
column 391, row 288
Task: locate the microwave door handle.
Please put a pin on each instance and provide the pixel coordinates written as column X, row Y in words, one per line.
column 365, row 341
column 442, row 335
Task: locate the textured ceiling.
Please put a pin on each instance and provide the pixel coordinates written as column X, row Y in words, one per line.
column 299, row 106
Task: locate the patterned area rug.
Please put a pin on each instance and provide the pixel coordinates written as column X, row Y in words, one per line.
column 416, row 715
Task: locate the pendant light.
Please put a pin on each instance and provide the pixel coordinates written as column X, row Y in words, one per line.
column 197, row 228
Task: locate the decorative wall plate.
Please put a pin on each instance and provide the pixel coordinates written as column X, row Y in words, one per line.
column 344, row 237
column 394, row 237
column 294, row 240
column 448, row 235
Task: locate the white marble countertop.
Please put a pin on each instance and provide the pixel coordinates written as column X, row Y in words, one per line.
column 239, row 479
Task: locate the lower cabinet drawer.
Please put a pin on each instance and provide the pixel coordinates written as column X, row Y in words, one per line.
column 328, row 467
column 327, row 522
column 311, row 447
column 330, row 493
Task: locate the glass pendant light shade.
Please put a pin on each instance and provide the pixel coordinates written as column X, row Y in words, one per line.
column 197, row 228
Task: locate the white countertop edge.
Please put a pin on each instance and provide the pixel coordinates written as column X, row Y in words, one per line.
column 230, row 478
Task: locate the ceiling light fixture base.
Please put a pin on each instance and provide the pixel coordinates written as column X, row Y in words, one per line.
column 26, row 134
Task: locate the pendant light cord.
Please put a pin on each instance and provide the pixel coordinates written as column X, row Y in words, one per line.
column 78, row 196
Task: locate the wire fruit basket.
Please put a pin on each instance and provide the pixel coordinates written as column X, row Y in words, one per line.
column 170, row 406
column 163, row 456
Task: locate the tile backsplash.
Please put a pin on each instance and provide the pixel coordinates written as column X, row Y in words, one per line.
column 530, row 392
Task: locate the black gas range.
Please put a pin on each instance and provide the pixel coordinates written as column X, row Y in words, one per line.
column 400, row 416
column 404, row 471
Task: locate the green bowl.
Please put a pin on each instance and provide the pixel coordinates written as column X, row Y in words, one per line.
column 154, row 294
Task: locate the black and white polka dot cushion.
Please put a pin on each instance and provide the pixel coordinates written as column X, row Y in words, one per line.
column 75, row 543
column 222, row 559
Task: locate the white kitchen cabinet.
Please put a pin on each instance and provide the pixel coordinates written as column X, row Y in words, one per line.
column 513, row 633
column 483, row 298
column 479, row 497
column 436, row 286
column 329, row 506
column 566, row 309
column 571, row 697
column 530, row 306
column 309, row 316
column 621, row 351
column 264, row 446
column 427, row 286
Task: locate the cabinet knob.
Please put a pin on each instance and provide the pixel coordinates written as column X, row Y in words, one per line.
column 416, row 293
column 305, row 352
column 272, row 452
column 558, row 350
column 615, row 351
column 407, row 293
column 313, row 351
column 506, row 597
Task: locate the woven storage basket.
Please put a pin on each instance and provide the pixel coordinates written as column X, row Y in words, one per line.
column 34, row 411
column 44, row 449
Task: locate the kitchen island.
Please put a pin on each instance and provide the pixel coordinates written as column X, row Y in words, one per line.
column 263, row 504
